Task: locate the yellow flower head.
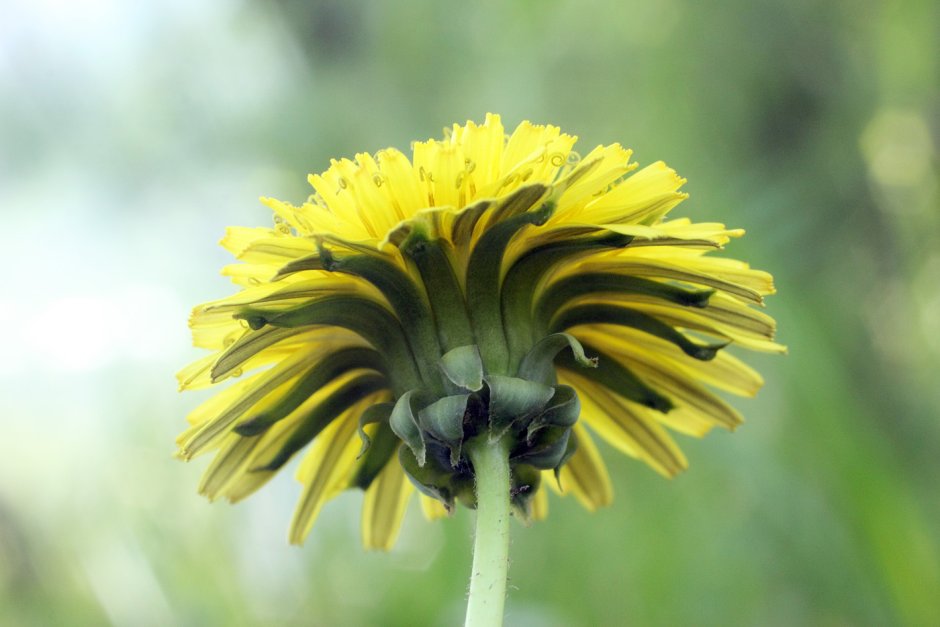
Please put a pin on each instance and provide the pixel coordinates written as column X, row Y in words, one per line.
column 491, row 284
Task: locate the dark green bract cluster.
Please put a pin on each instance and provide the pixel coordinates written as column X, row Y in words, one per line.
column 529, row 409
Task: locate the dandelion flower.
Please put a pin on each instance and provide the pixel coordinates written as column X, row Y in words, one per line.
column 492, row 285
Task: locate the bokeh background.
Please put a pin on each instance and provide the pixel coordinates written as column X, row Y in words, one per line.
column 132, row 133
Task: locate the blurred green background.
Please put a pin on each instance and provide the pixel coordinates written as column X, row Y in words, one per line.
column 132, row 133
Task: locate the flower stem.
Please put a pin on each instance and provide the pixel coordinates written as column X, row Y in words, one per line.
column 491, row 545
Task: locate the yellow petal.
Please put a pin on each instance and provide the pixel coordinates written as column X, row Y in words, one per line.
column 383, row 507
column 587, row 179
column 197, row 374
column 585, row 474
column 274, row 344
column 705, row 320
column 238, row 238
column 287, row 213
column 276, row 251
column 432, row 508
column 745, row 285
column 215, row 332
column 228, row 464
column 683, row 228
column 643, row 197
column 527, row 141
column 324, row 471
column 539, row 502
column 663, row 376
column 214, row 405
column 724, row 372
column 262, row 387
column 483, row 148
column 629, row 427
column 402, row 181
column 364, row 190
column 333, row 190
column 440, row 167
column 249, row 275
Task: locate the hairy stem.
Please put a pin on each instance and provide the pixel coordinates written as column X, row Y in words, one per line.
column 491, row 544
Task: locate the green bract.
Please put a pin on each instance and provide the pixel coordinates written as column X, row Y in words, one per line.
column 535, row 415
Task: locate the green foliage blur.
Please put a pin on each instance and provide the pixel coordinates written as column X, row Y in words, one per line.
column 131, row 134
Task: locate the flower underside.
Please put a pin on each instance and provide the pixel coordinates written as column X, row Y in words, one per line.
column 488, row 286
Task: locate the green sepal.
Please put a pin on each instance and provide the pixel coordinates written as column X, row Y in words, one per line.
column 586, row 283
column 526, row 273
column 347, row 245
column 405, row 424
column 374, row 414
column 525, row 483
column 363, row 316
column 246, row 347
column 484, row 268
column 519, row 203
column 433, row 259
column 466, row 221
column 407, row 301
column 570, row 450
column 324, row 371
column 546, row 448
column 323, row 414
column 463, row 367
column 436, row 479
column 428, row 480
column 620, row 380
column 227, row 462
column 563, row 410
column 443, row 419
column 514, row 400
column 310, row 262
column 379, row 453
column 538, row 364
column 624, row 316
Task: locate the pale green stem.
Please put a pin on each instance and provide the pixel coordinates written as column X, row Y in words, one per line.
column 491, row 544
